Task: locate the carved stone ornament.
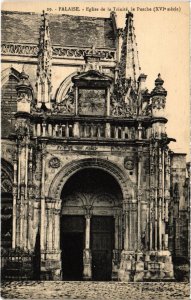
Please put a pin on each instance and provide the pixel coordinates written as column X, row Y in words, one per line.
column 23, row 97
column 128, row 163
column 22, row 128
column 66, row 106
column 6, row 184
column 121, row 32
column 123, row 99
column 158, row 102
column 54, row 162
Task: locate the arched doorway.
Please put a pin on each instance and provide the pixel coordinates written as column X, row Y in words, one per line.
column 90, row 231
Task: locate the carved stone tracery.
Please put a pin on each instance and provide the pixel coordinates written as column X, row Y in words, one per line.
column 123, row 99
column 6, row 182
column 57, row 52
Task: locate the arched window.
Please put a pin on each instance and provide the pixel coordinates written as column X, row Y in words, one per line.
column 6, row 205
column 8, row 99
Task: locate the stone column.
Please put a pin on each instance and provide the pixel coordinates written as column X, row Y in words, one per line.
column 87, row 257
column 30, row 193
column 51, row 255
column 126, row 224
column 76, row 130
column 166, row 193
column 76, row 100
column 107, row 130
column 22, row 214
column 156, row 200
column 56, row 224
column 151, row 206
column 160, row 193
column 49, row 230
column 116, row 251
column 14, row 202
column 26, row 198
column 125, row 269
column 139, row 199
column 108, row 102
column 21, row 190
column 133, row 225
column 162, row 268
column 43, row 219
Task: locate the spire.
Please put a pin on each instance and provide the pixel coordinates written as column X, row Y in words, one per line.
column 129, row 67
column 43, row 84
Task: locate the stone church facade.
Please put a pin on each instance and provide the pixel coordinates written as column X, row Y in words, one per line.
column 90, row 186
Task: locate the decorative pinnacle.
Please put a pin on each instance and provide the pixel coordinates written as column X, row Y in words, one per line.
column 129, row 14
column 159, row 90
column 23, row 75
column 159, row 80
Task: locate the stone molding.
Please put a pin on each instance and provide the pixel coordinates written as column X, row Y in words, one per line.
column 71, row 168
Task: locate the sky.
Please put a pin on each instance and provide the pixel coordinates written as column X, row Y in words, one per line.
column 162, row 33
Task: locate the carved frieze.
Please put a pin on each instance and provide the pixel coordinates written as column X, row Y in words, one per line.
column 19, row 49
column 78, row 148
column 58, row 52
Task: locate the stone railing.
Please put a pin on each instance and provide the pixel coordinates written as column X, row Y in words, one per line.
column 87, row 130
column 19, row 49
column 58, row 52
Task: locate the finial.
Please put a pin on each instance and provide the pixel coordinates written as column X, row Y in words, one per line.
column 44, row 17
column 159, row 89
column 23, row 75
column 129, row 14
column 113, row 13
column 159, row 80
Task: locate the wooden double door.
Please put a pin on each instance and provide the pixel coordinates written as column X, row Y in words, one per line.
column 101, row 244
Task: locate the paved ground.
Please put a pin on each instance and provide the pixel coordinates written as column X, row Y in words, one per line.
column 94, row 290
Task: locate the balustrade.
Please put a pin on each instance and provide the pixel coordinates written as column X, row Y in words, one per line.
column 88, row 130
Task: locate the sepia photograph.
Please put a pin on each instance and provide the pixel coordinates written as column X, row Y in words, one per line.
column 95, row 157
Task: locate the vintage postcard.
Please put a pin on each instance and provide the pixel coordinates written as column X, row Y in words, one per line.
column 95, row 170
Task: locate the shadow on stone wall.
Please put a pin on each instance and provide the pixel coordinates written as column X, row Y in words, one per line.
column 181, row 269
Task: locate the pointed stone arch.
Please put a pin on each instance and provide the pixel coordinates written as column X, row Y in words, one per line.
column 64, row 87
column 10, row 78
